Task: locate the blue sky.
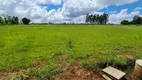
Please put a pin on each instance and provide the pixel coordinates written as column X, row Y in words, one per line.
column 112, row 8
column 59, row 11
column 51, row 6
column 130, row 7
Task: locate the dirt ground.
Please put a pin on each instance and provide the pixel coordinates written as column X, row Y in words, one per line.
column 70, row 73
column 78, row 73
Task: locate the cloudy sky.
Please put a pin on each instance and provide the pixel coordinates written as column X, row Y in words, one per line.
column 59, row 11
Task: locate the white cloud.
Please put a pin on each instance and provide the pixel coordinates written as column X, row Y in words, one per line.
column 112, row 12
column 123, row 15
column 137, row 8
column 74, row 8
column 55, row 2
column 116, row 2
column 71, row 10
column 23, row 8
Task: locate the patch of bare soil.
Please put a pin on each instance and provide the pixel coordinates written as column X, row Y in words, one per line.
column 68, row 72
column 3, row 76
column 77, row 73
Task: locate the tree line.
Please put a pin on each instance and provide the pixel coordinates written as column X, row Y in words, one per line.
column 6, row 19
column 137, row 20
column 97, row 19
column 90, row 19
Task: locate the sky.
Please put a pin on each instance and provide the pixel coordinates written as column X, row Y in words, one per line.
column 71, row 11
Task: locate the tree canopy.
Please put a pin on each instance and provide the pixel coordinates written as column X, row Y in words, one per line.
column 136, row 20
column 6, row 19
column 97, row 19
column 26, row 21
column 125, row 22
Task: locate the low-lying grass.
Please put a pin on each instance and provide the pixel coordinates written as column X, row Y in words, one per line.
column 23, row 46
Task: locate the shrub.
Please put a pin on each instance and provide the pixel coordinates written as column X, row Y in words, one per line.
column 26, row 21
column 125, row 22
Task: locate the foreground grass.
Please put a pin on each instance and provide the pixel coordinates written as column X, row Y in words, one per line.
column 26, row 46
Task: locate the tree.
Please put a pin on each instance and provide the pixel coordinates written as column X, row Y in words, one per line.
column 125, row 22
column 91, row 19
column 6, row 19
column 94, row 18
column 137, row 20
column 105, row 18
column 1, row 20
column 87, row 18
column 131, row 22
column 26, row 21
column 101, row 19
column 15, row 20
column 97, row 19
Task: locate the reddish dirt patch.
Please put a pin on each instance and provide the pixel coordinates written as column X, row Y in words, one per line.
column 68, row 72
column 3, row 76
column 77, row 73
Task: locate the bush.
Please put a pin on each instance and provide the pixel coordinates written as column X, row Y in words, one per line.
column 125, row 22
column 26, row 21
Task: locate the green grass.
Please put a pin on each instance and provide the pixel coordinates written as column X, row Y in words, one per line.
column 23, row 46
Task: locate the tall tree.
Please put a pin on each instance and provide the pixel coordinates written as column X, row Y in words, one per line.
column 6, row 19
column 101, row 19
column 105, row 18
column 15, row 20
column 91, row 19
column 87, row 18
column 137, row 20
column 97, row 19
column 1, row 20
column 94, row 18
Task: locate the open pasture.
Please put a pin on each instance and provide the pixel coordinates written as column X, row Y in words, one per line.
column 52, row 46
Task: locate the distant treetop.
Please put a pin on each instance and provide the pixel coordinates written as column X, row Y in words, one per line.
column 137, row 20
column 26, row 20
column 97, row 19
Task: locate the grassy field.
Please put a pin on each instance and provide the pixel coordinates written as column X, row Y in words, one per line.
column 52, row 46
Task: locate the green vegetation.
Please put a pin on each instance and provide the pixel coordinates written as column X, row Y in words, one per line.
column 137, row 20
column 26, row 21
column 52, row 46
column 8, row 20
column 97, row 19
column 125, row 22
